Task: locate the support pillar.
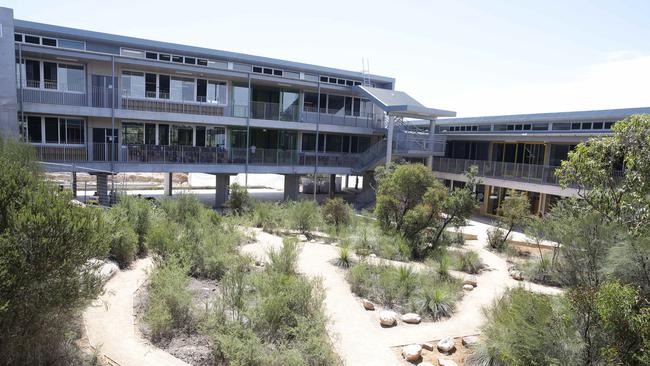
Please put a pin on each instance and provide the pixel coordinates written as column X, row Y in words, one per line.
column 73, row 184
column 102, row 188
column 222, row 183
column 389, row 140
column 432, row 131
column 167, row 184
column 486, row 200
column 332, row 188
column 291, row 182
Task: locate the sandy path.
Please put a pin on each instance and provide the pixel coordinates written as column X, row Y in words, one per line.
column 110, row 322
column 357, row 336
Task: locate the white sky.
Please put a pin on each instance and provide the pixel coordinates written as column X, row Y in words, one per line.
column 477, row 57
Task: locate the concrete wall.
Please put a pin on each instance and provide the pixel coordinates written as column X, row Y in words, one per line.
column 8, row 98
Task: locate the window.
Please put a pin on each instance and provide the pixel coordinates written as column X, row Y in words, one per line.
column 217, row 92
column 575, row 126
column 131, row 53
column 257, row 69
column 163, row 86
column 150, row 134
column 132, row 133
column 334, row 143
column 151, row 55
column 163, row 134
column 133, row 84
column 201, row 90
column 335, row 103
column 561, row 126
column 74, row 131
column 33, row 73
column 150, row 85
column 608, row 125
column 218, row 64
column 75, row 45
column 51, row 130
column 164, row 57
column 48, row 42
column 178, row 59
column 215, row 137
column 50, row 75
column 202, row 62
column 190, row 60
column 277, row 72
column 586, row 126
column 182, row 135
column 356, row 108
column 200, row 136
column 72, row 78
column 311, row 102
column 308, row 142
column 182, row 89
column 598, row 126
column 268, row 71
column 34, row 133
column 32, row 39
column 323, row 79
column 18, row 37
column 540, row 126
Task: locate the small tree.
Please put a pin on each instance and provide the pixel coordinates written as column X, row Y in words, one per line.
column 138, row 213
column 239, row 199
column 336, row 212
column 513, row 211
column 303, row 216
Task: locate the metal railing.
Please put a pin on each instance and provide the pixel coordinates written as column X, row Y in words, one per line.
column 173, row 106
column 532, row 173
column 416, row 142
column 310, row 115
column 52, row 96
column 60, row 153
column 371, row 156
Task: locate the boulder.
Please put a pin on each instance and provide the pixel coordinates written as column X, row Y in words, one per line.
column 470, row 341
column 412, row 352
column 302, row 237
column 446, row 362
column 446, row 345
column 387, row 318
column 517, row 275
column 470, row 280
column 367, row 304
column 77, row 203
column 468, row 287
column 428, row 346
column 411, row 318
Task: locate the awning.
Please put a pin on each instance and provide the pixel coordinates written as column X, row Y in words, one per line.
column 397, row 103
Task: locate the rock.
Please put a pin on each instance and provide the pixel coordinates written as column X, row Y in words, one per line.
column 428, row 346
column 312, row 241
column 517, row 275
column 77, row 203
column 105, row 269
column 425, row 364
column 302, row 237
column 412, row 352
column 446, row 362
column 367, row 304
column 470, row 341
column 446, row 345
column 468, row 287
column 411, row 318
column 470, row 280
column 387, row 318
column 373, row 255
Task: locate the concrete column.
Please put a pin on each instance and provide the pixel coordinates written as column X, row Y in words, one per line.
column 486, row 199
column 389, row 140
column 222, row 183
column 291, row 182
column 8, row 95
column 102, row 188
column 432, row 131
column 73, row 184
column 332, row 185
column 168, row 184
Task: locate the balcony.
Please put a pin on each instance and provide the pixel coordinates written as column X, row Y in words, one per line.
column 172, row 106
column 330, row 117
column 530, row 173
column 272, row 111
column 51, row 92
column 60, row 153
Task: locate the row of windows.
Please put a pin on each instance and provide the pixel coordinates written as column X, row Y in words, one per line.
column 52, row 130
column 165, row 134
column 334, row 143
column 337, row 104
column 47, row 41
column 51, row 75
column 137, row 84
column 530, row 127
column 338, row 81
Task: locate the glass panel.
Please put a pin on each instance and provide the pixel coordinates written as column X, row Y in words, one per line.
column 238, row 138
column 74, row 131
column 50, row 75
column 287, row 140
column 33, row 74
column 182, row 89
column 216, row 137
column 356, row 108
column 163, row 134
column 150, row 85
column 163, row 88
column 133, row 84
column 348, row 106
column 48, row 42
column 240, row 101
column 77, row 45
column 290, row 101
column 217, row 92
column 150, row 134
column 311, row 102
column 308, row 142
column 334, row 143
column 182, row 135
column 200, row 136
column 34, row 132
column 132, row 133
column 201, row 90
column 52, row 130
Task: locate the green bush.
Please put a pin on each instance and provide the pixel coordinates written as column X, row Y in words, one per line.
column 336, row 212
column 170, row 303
column 436, row 301
column 285, row 259
column 138, row 212
column 303, row 216
column 470, row 262
column 239, row 200
column 524, row 328
column 496, row 239
column 345, row 259
column 45, row 275
column 267, row 215
column 122, row 238
column 182, row 208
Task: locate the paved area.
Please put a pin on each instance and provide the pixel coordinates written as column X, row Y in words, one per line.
column 110, row 323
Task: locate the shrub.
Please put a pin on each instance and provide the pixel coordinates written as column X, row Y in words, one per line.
column 336, row 212
column 303, row 216
column 436, row 302
column 541, row 271
column 170, row 302
column 122, row 238
column 45, row 276
column 267, row 215
column 470, row 262
column 496, row 239
column 138, row 212
column 285, row 259
column 182, row 209
column 239, row 200
column 344, row 260
column 524, row 328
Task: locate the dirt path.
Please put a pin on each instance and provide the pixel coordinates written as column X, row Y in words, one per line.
column 110, row 323
column 357, row 336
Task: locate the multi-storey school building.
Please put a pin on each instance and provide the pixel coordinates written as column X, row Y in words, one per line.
column 104, row 104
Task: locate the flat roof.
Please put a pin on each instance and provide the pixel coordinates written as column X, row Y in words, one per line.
column 401, row 104
column 601, row 114
column 118, row 40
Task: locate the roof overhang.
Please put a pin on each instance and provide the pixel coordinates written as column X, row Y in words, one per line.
column 397, row 103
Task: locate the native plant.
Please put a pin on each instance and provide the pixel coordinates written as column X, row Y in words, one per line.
column 336, row 212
